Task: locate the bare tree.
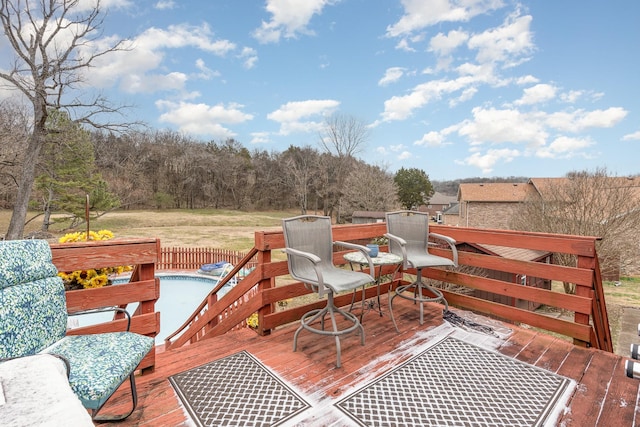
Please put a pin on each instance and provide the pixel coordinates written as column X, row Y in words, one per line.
column 369, row 188
column 14, row 129
column 301, row 173
column 342, row 136
column 52, row 42
column 587, row 204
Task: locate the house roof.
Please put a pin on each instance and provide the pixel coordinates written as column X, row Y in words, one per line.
column 442, row 199
column 495, row 192
column 513, row 253
column 546, row 185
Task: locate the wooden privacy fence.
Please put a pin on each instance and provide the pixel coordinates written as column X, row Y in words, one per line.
column 194, row 258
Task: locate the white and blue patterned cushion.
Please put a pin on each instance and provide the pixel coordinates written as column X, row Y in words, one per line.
column 33, row 319
column 100, row 363
column 33, row 311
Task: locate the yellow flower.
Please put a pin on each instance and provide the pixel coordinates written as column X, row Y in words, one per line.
column 252, row 321
column 89, row 278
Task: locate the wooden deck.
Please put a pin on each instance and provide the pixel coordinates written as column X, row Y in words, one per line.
column 602, row 394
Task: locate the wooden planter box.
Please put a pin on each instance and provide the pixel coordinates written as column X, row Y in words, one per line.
column 143, row 288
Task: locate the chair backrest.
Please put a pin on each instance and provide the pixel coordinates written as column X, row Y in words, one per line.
column 33, row 311
column 411, row 226
column 312, row 234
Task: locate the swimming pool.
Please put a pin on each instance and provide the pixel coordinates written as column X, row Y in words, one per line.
column 180, row 294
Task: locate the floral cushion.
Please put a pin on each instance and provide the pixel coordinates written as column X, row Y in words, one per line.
column 101, row 362
column 33, row 312
column 33, row 319
column 24, row 261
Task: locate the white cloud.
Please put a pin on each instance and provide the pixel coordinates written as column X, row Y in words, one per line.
column 564, row 147
column 249, row 56
column 525, row 80
column 419, row 14
column 165, row 4
column 203, row 119
column 536, row 94
column 632, row 136
column 401, row 107
column 296, row 116
column 397, row 147
column 205, row 72
column 288, row 19
column 579, row 120
column 391, row 75
column 443, row 44
column 135, row 68
column 510, row 43
column 404, row 155
column 85, row 5
column 260, row 137
column 431, row 139
column 503, row 126
column 466, row 95
column 136, row 83
column 571, row 96
column 487, row 161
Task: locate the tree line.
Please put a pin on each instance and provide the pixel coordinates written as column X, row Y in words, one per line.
column 169, row 170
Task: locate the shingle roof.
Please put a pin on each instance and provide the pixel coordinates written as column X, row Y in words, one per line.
column 441, row 199
column 495, row 192
column 515, row 253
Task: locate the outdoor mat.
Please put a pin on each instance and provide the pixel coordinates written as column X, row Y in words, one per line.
column 236, row 390
column 455, row 383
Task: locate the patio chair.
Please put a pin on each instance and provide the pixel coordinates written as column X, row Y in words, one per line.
column 309, row 248
column 408, row 234
column 33, row 320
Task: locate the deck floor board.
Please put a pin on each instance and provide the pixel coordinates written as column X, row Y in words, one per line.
column 602, row 393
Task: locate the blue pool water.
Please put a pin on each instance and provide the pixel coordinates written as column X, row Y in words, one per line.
column 179, row 297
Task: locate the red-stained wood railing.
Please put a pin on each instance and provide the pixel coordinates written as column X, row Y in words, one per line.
column 143, row 287
column 258, row 291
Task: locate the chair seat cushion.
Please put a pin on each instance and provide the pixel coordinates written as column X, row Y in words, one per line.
column 339, row 280
column 101, row 362
column 423, row 259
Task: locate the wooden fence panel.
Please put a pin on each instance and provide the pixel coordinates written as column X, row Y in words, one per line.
column 194, row 258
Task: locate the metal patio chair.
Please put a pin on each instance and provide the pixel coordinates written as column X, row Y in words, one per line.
column 408, row 234
column 309, row 248
column 33, row 320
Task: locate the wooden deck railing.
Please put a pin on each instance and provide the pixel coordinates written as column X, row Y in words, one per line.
column 143, row 286
column 258, row 291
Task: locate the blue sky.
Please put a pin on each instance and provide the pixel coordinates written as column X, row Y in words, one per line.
column 458, row 88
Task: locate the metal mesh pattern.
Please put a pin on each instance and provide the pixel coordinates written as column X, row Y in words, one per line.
column 457, row 384
column 236, row 391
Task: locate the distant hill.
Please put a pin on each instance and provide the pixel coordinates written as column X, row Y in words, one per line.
column 450, row 188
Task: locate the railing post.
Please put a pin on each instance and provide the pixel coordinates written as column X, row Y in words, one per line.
column 583, row 291
column 263, row 258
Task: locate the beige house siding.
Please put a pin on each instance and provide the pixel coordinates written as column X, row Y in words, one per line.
column 487, row 215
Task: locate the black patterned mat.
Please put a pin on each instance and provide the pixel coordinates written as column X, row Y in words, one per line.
column 455, row 383
column 236, row 391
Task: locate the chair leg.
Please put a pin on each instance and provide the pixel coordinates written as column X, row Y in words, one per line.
column 319, row 314
column 134, row 400
column 418, row 296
